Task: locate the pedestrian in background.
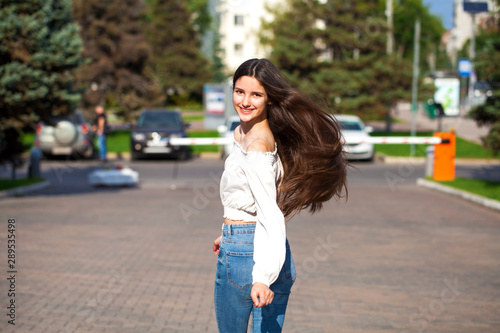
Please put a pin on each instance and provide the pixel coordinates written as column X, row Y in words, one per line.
column 100, row 126
column 287, row 157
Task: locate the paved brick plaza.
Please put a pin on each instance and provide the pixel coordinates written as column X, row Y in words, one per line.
column 139, row 260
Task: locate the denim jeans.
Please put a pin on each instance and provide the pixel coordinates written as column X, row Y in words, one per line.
column 101, row 144
column 233, row 284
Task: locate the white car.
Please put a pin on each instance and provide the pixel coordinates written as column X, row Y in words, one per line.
column 354, row 130
column 227, row 131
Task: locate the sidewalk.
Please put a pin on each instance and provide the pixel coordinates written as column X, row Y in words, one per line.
column 140, row 261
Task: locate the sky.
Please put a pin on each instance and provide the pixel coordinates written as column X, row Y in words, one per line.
column 442, row 8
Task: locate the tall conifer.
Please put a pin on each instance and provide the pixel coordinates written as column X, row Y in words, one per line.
column 177, row 62
column 115, row 44
column 39, row 50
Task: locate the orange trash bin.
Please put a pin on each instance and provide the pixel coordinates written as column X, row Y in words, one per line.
column 444, row 157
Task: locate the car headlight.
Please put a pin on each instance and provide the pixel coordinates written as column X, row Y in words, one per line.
column 138, row 136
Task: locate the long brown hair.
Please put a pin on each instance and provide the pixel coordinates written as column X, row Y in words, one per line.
column 309, row 142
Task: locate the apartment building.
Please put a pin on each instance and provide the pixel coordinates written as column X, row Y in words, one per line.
column 462, row 25
column 239, row 23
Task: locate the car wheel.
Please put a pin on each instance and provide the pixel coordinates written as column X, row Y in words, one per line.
column 134, row 156
column 183, row 156
column 90, row 153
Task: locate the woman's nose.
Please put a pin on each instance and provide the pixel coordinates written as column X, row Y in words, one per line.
column 246, row 100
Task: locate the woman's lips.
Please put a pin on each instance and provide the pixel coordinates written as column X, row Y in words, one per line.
column 246, row 111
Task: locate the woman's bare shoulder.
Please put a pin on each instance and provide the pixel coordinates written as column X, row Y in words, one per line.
column 263, row 144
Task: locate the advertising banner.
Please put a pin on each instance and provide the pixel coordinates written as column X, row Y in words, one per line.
column 448, row 95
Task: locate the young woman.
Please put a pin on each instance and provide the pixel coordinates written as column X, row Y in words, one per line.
column 287, row 157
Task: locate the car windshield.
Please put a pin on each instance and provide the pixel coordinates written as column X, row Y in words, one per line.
column 75, row 118
column 350, row 125
column 482, row 85
column 159, row 119
column 234, row 124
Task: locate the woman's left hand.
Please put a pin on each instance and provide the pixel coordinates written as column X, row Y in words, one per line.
column 216, row 245
column 261, row 295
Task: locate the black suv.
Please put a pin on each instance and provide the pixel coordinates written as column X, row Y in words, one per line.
column 151, row 136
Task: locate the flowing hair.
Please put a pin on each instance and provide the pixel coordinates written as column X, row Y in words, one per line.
column 309, row 142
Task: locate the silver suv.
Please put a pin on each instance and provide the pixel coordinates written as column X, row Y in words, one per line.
column 67, row 135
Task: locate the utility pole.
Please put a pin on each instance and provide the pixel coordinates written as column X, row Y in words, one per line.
column 390, row 48
column 414, row 90
column 390, row 27
column 472, row 54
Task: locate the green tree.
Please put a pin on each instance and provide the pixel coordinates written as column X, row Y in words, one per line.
column 336, row 51
column 406, row 12
column 487, row 65
column 39, row 52
column 210, row 38
column 177, row 62
column 201, row 17
column 114, row 39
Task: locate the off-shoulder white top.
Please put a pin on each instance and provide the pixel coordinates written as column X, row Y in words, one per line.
column 248, row 191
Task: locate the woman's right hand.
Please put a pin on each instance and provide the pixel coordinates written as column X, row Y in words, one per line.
column 216, row 245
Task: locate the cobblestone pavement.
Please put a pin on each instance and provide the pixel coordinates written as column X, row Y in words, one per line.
column 395, row 258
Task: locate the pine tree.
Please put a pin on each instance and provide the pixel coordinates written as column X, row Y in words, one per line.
column 114, row 39
column 39, row 51
column 177, row 62
column 335, row 51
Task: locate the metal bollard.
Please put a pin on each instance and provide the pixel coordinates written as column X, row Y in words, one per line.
column 34, row 167
column 429, row 161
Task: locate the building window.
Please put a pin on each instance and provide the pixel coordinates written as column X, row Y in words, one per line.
column 238, row 20
column 238, row 49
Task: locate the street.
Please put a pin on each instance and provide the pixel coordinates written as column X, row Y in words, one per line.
column 395, row 258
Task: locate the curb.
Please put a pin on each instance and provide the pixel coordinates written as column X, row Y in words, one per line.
column 493, row 204
column 210, row 156
column 22, row 190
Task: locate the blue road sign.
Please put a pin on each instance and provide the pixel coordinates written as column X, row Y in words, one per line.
column 464, row 67
column 475, row 7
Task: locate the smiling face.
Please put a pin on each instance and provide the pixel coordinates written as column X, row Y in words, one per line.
column 250, row 100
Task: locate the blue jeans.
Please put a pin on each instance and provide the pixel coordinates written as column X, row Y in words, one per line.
column 101, row 144
column 233, row 284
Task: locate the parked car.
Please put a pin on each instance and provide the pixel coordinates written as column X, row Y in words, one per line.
column 227, row 131
column 154, row 129
column 353, row 129
column 67, row 135
column 482, row 88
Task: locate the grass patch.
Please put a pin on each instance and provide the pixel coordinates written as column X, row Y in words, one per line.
column 469, row 149
column 118, row 141
column 28, row 139
column 7, row 184
column 206, row 148
column 195, row 107
column 486, row 188
column 193, row 118
column 465, row 148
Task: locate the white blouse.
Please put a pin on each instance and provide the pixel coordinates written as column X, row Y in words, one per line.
column 248, row 191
